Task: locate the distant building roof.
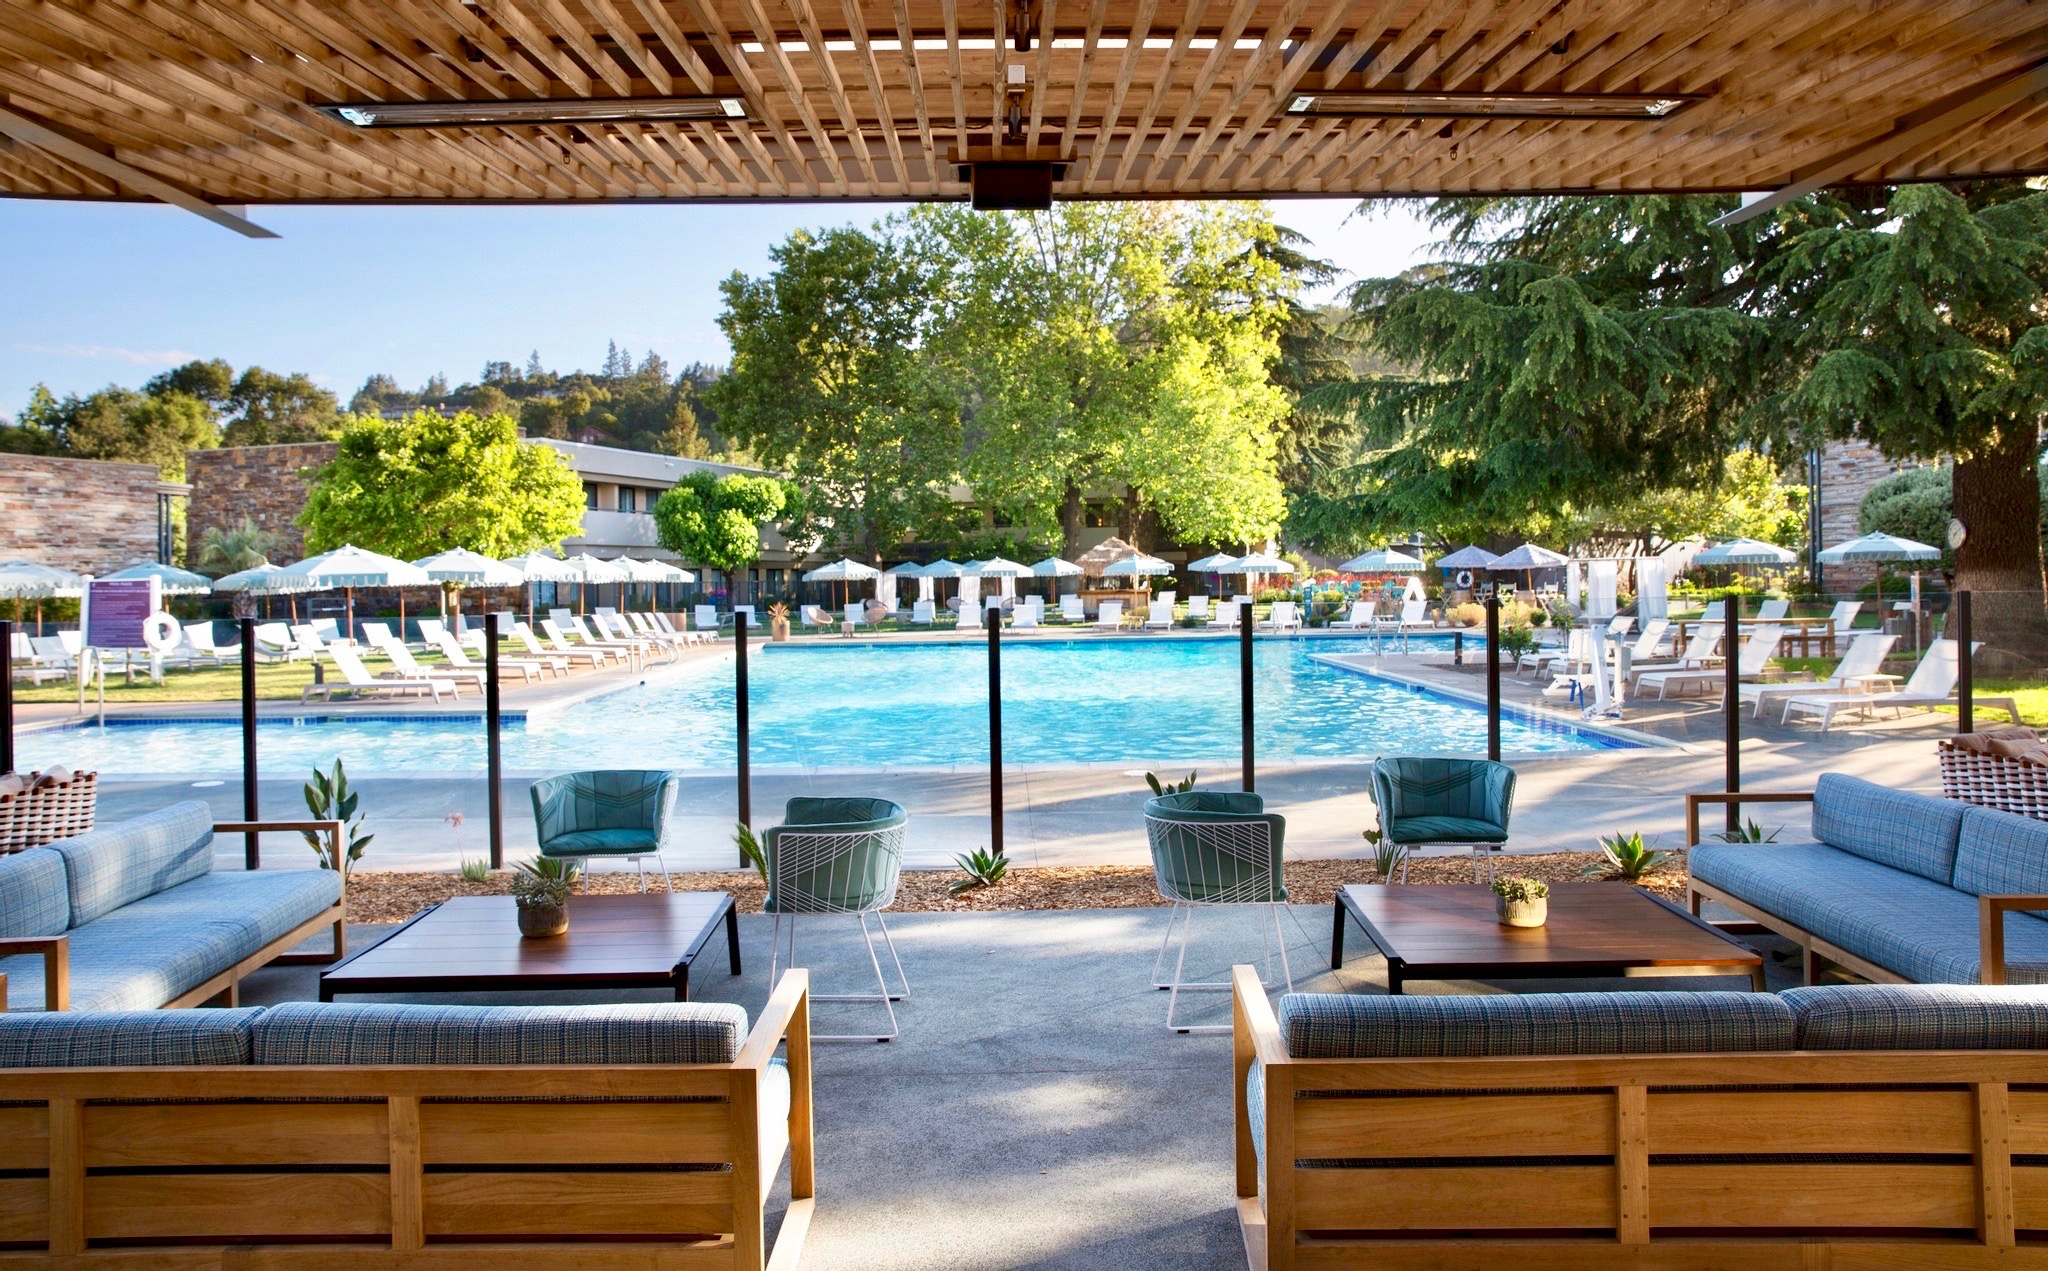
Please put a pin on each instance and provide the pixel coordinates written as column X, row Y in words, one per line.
column 637, row 465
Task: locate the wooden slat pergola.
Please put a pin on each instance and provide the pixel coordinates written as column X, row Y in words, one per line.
column 207, row 103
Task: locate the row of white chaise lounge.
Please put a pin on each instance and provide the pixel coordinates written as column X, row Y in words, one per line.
column 1856, row 685
column 1027, row 612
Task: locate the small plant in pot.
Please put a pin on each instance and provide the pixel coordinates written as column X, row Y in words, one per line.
column 778, row 622
column 1521, row 901
column 540, row 892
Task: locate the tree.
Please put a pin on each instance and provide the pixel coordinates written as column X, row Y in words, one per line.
column 716, row 521
column 1921, row 328
column 225, row 551
column 211, row 382
column 269, row 409
column 618, row 363
column 1918, row 503
column 427, row 483
column 1116, row 346
column 114, row 423
column 831, row 380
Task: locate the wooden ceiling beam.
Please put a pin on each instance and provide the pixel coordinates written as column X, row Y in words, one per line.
column 719, row 37
column 1212, row 69
column 1127, row 69
column 792, row 84
column 39, row 133
column 1148, row 104
column 835, row 87
column 906, row 40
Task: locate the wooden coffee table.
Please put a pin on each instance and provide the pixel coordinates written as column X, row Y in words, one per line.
column 472, row 944
column 1431, row 932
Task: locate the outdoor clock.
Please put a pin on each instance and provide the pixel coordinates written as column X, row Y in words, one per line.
column 1957, row 532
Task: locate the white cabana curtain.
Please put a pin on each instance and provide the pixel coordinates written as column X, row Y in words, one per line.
column 924, row 589
column 1601, row 576
column 885, row 591
column 1652, row 598
column 1575, row 585
column 970, row 590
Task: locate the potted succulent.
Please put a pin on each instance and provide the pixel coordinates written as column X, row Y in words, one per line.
column 778, row 622
column 1521, row 901
column 540, row 892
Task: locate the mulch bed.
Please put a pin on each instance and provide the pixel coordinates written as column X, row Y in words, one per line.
column 382, row 896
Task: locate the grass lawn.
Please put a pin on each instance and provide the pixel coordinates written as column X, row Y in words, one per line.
column 275, row 681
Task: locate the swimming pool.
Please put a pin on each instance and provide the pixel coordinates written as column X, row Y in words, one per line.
column 1146, row 702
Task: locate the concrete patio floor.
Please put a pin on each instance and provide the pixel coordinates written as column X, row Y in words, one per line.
column 1035, row 1112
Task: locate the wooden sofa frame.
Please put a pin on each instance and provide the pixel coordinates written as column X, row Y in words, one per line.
column 1814, row 951
column 1817, row 1160
column 221, row 989
column 410, row 1168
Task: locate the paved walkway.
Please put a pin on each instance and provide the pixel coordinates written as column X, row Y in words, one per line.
column 1090, row 814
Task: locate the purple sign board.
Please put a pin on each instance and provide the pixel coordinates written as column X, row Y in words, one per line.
column 115, row 611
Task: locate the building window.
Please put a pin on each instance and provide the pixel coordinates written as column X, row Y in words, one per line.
column 589, row 496
column 626, row 493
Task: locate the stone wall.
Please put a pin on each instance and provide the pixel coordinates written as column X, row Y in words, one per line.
column 266, row 484
column 85, row 515
column 1847, row 471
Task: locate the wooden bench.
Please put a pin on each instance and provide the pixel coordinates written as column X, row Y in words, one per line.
column 498, row 1167
column 1809, row 1159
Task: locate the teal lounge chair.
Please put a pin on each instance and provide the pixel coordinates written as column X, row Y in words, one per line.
column 1432, row 802
column 621, row 813
column 1214, row 848
column 838, row 856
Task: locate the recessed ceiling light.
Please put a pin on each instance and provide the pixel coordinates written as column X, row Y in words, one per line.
column 545, row 111
column 1493, row 105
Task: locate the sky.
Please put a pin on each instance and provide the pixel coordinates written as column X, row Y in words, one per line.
column 92, row 294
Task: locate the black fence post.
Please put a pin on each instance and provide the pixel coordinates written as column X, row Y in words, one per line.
column 994, row 619
column 1493, row 674
column 1731, row 645
column 6, row 696
column 494, row 748
column 1244, row 692
column 1966, row 710
column 739, row 698
column 252, row 844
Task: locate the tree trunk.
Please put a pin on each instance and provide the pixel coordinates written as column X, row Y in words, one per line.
column 1138, row 522
column 1070, row 522
column 1998, row 499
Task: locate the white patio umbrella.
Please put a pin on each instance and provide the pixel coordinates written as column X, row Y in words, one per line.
column 843, row 572
column 1257, row 563
column 171, row 580
column 1387, row 560
column 1745, row 551
column 539, row 567
column 587, row 570
column 1007, row 570
column 1468, row 560
column 1138, row 566
column 266, row 579
column 653, row 573
column 461, row 567
column 943, row 568
column 1214, row 564
column 1053, row 569
column 908, row 569
column 26, row 580
column 1879, row 547
column 349, row 567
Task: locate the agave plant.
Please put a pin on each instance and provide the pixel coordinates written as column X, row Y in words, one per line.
column 1626, row 857
column 751, row 850
column 1387, row 855
column 1750, row 832
column 1159, row 787
column 984, row 869
column 545, row 882
column 329, row 799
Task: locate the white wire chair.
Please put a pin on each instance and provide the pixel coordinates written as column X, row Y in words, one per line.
column 839, row 856
column 1214, row 848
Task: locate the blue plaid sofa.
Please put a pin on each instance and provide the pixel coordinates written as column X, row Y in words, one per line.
column 614, row 1135
column 1562, row 1129
column 133, row 916
column 1895, row 886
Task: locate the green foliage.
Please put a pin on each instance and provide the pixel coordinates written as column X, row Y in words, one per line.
column 1516, row 888
column 224, row 550
column 1917, row 504
column 545, row 881
column 426, row 483
column 328, row 798
column 1182, row 786
column 1387, row 855
column 476, row 869
column 751, row 850
column 114, row 423
column 716, row 520
column 267, row 409
column 984, row 869
column 1626, row 857
column 1515, row 640
column 1750, row 832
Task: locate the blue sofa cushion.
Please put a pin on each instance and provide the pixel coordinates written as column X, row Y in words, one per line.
column 601, row 843
column 1344, row 1026
column 667, row 1033
column 269, row 904
column 122, row 862
column 35, row 898
column 1924, row 931
column 138, row 958
column 2000, row 854
column 127, row 1039
column 1920, row 1017
column 1909, row 832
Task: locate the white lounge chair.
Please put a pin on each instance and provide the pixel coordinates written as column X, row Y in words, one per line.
column 1933, row 683
column 1714, row 612
column 644, row 625
column 1562, row 655
column 1283, row 615
column 706, row 617
column 529, row 669
column 1109, row 615
column 306, row 638
column 1698, row 654
column 922, row 613
column 1758, row 648
column 51, row 651
column 1844, row 616
column 274, row 643
column 1863, row 658
column 559, row 660
column 1198, row 608
column 1773, row 610
column 559, row 641
column 1024, row 618
column 634, row 646
column 404, row 665
column 857, row 613
column 329, row 631
column 1414, row 616
column 1225, row 615
column 1160, row 615
column 1073, row 609
column 1556, row 644
column 1646, row 643
column 970, row 618
column 196, row 647
column 378, row 634
column 1359, row 618
column 27, row 663
column 357, row 681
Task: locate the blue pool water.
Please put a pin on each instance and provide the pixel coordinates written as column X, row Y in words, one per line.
column 1138, row 701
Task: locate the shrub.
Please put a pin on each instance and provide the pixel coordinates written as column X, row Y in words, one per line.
column 1515, row 641
column 1515, row 888
column 1468, row 614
